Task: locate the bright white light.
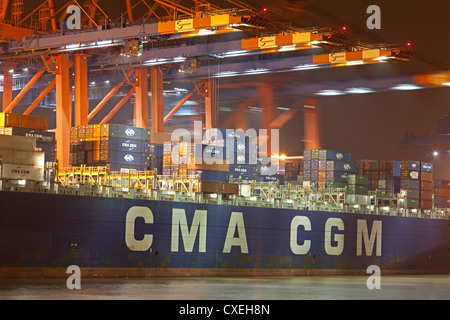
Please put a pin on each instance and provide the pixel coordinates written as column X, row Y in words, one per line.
column 359, row 90
column 236, row 53
column 72, row 46
column 179, row 59
column 305, row 67
column 287, row 48
column 25, row 70
column 93, row 83
column 329, row 92
column 406, row 86
column 105, row 42
column 435, row 153
column 382, row 58
column 354, row 63
column 446, row 83
column 107, row 81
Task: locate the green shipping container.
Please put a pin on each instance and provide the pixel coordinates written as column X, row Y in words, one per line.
column 315, row 154
column 336, row 184
column 412, row 203
column 357, row 189
column 358, row 179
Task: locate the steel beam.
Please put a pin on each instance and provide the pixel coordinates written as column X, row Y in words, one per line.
column 41, row 96
column 118, row 106
column 81, row 91
column 108, row 96
column 7, row 89
column 311, row 124
column 141, row 107
column 63, row 111
column 211, row 114
column 177, row 106
column 157, row 100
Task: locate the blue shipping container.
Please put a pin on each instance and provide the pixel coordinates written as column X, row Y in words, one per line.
column 127, row 132
column 210, row 175
column 426, row 166
column 121, row 144
column 337, row 176
column 124, row 167
column 334, row 155
column 48, row 149
column 39, row 135
column 345, row 166
column 243, row 170
column 124, row 157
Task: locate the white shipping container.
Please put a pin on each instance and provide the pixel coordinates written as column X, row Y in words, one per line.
column 30, row 158
column 17, row 143
column 22, row 172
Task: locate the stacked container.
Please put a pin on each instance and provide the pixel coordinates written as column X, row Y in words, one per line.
column 426, row 186
column 383, row 176
column 292, row 171
column 45, row 140
column 327, row 168
column 119, row 147
column 442, row 194
column 357, row 189
column 410, row 183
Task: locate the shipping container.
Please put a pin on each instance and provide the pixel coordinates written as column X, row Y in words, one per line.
column 21, row 172
column 345, row 166
column 357, row 189
column 124, row 157
column 121, row 144
column 39, row 135
column 23, row 121
column 410, row 184
column 442, row 202
column 426, row 166
column 334, row 155
column 357, row 179
column 442, row 184
column 209, row 175
column 337, row 176
column 278, row 178
column 243, row 170
column 17, row 143
column 20, row 157
column 127, row 132
column 442, row 192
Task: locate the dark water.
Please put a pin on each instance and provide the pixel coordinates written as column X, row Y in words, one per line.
column 283, row 288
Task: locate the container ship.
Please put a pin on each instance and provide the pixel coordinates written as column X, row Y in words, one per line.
column 137, row 204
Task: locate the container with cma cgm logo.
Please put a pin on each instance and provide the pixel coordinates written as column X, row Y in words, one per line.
column 125, row 157
column 125, row 132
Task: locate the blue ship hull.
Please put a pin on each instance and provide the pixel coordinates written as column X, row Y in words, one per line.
column 42, row 234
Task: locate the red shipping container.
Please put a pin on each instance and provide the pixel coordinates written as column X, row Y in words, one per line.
column 426, row 195
column 425, row 204
column 426, row 176
column 442, row 192
column 426, row 185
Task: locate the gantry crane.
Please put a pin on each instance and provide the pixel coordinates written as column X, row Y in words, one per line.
column 187, row 35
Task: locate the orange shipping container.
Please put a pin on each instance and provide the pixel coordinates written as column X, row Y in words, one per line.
column 23, row 121
column 442, row 192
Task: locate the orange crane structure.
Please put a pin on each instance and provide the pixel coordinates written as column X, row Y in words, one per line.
column 198, row 39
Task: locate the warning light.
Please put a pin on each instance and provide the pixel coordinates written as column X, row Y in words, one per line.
column 264, row 10
column 408, row 44
column 344, row 28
